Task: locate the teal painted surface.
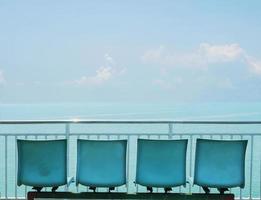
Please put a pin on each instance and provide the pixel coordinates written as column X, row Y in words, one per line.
column 101, row 163
column 220, row 163
column 41, row 163
column 161, row 163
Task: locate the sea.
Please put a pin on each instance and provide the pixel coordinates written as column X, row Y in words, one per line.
column 232, row 111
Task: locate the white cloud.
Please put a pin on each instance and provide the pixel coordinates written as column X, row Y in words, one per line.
column 154, row 55
column 254, row 65
column 103, row 74
column 205, row 54
column 220, row 53
column 2, row 78
column 109, row 59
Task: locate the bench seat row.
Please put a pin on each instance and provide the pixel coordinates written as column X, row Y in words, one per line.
column 160, row 163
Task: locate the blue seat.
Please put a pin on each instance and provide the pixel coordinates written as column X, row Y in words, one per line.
column 161, row 163
column 220, row 163
column 101, row 163
column 42, row 163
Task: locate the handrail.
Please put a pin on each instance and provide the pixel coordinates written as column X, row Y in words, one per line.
column 103, row 121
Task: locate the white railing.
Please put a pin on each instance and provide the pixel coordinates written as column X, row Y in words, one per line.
column 130, row 130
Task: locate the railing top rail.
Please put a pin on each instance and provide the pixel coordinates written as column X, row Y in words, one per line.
column 83, row 121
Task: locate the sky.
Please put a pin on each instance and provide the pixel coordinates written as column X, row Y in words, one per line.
column 130, row 51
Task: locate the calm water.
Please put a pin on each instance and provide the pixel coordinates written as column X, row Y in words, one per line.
column 210, row 111
column 199, row 111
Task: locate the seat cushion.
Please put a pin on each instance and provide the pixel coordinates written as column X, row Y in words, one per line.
column 220, row 163
column 101, row 163
column 161, row 163
column 42, row 163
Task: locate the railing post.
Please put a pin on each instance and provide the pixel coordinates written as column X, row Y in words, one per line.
column 16, row 165
column 251, row 166
column 170, row 130
column 127, row 165
column 260, row 180
column 6, row 183
column 190, row 162
column 67, row 132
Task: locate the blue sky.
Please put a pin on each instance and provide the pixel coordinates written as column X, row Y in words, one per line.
column 130, row 51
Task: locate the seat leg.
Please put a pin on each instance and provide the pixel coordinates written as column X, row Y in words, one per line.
column 93, row 188
column 168, row 189
column 38, row 189
column 206, row 189
column 222, row 190
column 150, row 189
column 54, row 188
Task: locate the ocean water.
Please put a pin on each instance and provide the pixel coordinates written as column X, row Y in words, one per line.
column 135, row 111
column 175, row 111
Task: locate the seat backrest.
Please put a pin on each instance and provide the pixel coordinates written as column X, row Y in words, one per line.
column 42, row 163
column 161, row 163
column 220, row 163
column 101, row 163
